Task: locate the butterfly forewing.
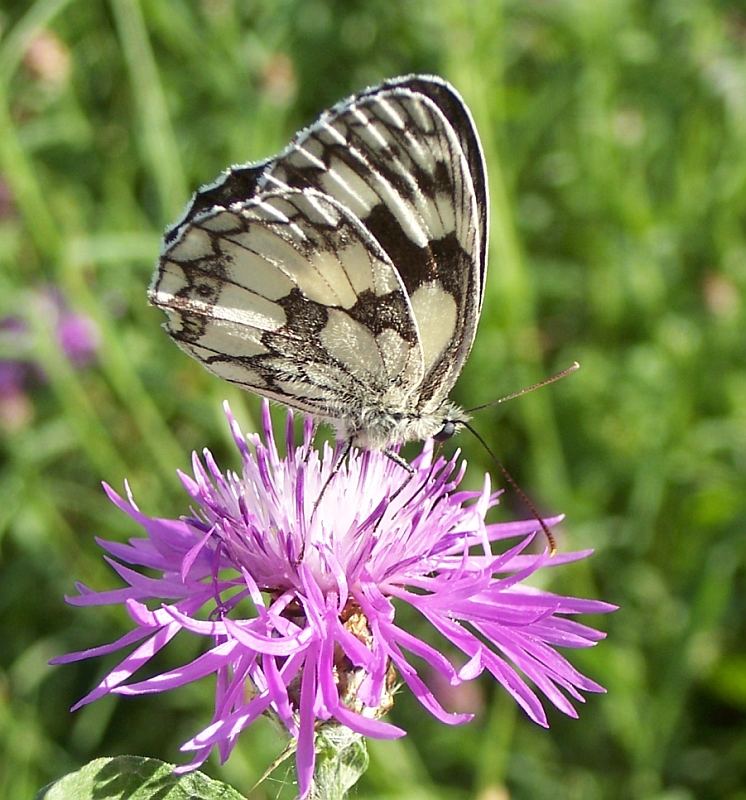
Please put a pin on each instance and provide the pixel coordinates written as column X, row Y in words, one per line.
column 458, row 115
column 395, row 161
column 343, row 277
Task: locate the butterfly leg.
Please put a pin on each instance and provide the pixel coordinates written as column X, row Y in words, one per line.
column 335, row 470
column 332, row 474
column 310, row 449
column 398, row 460
column 424, row 484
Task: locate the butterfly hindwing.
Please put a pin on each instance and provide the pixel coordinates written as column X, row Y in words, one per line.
column 343, row 277
column 234, row 185
column 289, row 296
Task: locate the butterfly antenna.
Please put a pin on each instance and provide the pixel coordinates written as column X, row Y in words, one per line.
column 574, row 367
column 551, row 541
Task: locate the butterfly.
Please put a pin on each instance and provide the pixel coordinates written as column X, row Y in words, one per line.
column 343, row 277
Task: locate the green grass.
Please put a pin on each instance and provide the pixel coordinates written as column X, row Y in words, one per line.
column 614, row 134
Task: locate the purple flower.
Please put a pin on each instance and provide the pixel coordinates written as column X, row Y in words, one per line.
column 293, row 573
column 14, row 374
column 15, row 409
column 76, row 335
column 12, row 377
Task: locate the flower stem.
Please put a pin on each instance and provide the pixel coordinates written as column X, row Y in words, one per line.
column 341, row 758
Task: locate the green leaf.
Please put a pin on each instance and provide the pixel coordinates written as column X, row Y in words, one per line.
column 136, row 778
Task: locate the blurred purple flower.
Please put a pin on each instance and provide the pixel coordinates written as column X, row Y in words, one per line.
column 466, row 696
column 76, row 335
column 15, row 410
column 298, row 602
column 12, row 377
column 11, row 326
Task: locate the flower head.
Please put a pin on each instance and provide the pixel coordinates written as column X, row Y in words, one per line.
column 76, row 335
column 293, row 570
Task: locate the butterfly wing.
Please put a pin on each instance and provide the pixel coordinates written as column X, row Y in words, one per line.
column 235, row 185
column 343, row 277
column 405, row 158
column 447, row 99
column 288, row 295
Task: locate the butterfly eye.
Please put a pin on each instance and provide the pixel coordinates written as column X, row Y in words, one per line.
column 448, row 429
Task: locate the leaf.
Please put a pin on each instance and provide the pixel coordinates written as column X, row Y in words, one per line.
column 135, row 778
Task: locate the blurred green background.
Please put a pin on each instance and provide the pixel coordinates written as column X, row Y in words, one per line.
column 615, row 138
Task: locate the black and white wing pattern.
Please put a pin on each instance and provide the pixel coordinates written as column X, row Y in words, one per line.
column 343, row 277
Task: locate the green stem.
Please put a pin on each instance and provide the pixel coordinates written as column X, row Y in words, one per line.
column 156, row 138
column 341, row 759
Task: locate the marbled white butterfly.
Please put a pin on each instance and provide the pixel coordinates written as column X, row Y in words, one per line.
column 343, row 277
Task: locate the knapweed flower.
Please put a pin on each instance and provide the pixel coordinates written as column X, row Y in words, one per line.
column 293, row 571
column 76, row 335
column 15, row 408
column 20, row 368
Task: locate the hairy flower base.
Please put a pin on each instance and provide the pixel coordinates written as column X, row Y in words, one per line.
column 292, row 571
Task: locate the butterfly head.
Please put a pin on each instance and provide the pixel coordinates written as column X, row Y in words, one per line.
column 381, row 429
column 448, row 429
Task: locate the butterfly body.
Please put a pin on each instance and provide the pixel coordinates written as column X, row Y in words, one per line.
column 343, row 277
